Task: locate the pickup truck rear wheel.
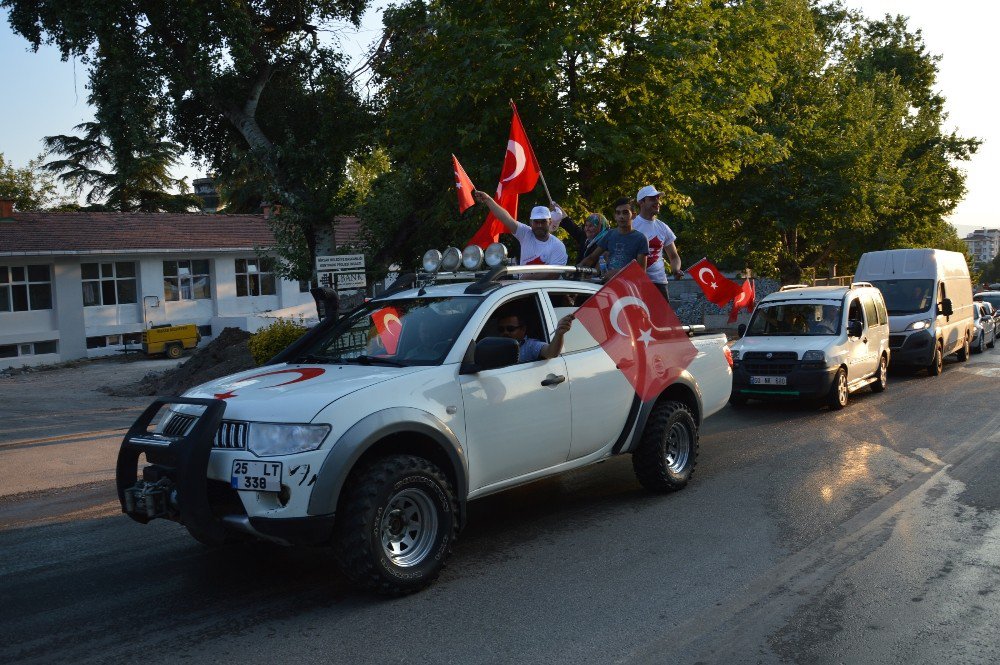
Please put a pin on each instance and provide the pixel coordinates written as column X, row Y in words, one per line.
column 396, row 525
column 668, row 452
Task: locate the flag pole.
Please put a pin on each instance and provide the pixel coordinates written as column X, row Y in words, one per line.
column 541, row 175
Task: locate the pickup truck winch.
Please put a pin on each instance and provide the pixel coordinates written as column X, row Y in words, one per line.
column 371, row 433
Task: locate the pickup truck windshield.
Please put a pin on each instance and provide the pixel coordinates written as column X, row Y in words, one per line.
column 796, row 319
column 416, row 331
column 906, row 296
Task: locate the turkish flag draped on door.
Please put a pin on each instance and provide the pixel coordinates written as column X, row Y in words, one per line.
column 718, row 289
column 518, row 176
column 639, row 331
column 463, row 186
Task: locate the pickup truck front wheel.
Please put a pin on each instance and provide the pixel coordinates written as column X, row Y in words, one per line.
column 396, row 525
column 666, row 456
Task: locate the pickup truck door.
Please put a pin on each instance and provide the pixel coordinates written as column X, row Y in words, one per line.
column 517, row 417
column 601, row 396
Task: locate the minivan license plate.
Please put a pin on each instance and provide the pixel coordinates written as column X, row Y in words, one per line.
column 769, row 380
column 256, row 476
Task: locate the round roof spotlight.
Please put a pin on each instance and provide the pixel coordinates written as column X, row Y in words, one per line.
column 451, row 259
column 431, row 260
column 472, row 257
column 496, row 254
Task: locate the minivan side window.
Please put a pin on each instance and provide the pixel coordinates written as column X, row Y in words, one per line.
column 870, row 313
column 883, row 316
column 854, row 311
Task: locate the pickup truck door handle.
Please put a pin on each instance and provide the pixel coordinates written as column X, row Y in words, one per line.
column 553, row 380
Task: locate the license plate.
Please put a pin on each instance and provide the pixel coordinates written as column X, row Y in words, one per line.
column 769, row 380
column 253, row 476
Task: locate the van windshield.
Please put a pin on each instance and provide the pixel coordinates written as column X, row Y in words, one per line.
column 799, row 318
column 906, row 296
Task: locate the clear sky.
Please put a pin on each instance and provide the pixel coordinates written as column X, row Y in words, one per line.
column 42, row 95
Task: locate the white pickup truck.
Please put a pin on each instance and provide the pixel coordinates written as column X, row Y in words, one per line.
column 372, row 432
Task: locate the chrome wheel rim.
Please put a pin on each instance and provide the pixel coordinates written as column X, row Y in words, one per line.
column 842, row 388
column 678, row 448
column 408, row 528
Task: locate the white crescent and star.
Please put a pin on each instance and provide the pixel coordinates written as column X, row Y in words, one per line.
column 391, row 318
column 514, row 148
column 710, row 276
column 645, row 336
column 740, row 298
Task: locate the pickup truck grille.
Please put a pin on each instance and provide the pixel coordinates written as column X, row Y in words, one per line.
column 232, row 434
column 779, row 364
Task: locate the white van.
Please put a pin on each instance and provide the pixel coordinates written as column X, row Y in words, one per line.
column 813, row 342
column 929, row 296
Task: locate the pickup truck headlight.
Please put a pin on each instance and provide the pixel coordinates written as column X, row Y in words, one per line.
column 279, row 439
column 920, row 325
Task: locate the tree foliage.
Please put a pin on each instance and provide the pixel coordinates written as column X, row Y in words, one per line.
column 31, row 188
column 232, row 82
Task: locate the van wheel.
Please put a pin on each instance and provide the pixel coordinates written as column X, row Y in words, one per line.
column 666, row 456
column 882, row 378
column 966, row 351
column 838, row 391
column 396, row 525
column 937, row 364
column 174, row 351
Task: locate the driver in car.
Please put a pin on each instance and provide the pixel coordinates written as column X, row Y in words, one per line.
column 531, row 349
column 828, row 324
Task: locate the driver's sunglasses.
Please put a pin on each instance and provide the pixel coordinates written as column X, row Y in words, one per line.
column 508, row 329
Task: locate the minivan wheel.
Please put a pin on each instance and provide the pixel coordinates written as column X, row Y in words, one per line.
column 882, row 378
column 965, row 351
column 937, row 364
column 838, row 391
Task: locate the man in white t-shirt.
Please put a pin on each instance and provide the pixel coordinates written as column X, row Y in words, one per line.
column 661, row 240
column 538, row 245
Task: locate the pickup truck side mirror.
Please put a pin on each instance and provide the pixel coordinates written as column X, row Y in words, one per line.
column 741, row 329
column 855, row 328
column 490, row 353
column 946, row 308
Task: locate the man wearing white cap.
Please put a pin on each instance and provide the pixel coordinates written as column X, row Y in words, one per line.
column 661, row 239
column 538, row 245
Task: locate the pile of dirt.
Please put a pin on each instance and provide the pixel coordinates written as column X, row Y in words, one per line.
column 228, row 353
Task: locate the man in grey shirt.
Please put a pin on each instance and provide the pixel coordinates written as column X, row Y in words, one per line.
column 622, row 245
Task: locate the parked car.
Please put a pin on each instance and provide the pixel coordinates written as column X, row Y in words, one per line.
column 992, row 298
column 928, row 293
column 813, row 342
column 986, row 328
column 372, row 432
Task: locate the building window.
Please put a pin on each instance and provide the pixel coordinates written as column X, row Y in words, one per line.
column 187, row 280
column 29, row 349
column 255, row 277
column 24, row 288
column 108, row 283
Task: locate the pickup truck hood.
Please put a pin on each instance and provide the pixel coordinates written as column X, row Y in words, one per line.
column 292, row 393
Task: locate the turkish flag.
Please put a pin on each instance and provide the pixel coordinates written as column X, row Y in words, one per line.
column 718, row 289
column 519, row 175
column 463, row 186
column 745, row 299
column 388, row 326
column 639, row 331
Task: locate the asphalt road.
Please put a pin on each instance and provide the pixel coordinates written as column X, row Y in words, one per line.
column 868, row 535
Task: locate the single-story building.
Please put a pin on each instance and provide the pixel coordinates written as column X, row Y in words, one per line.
column 85, row 284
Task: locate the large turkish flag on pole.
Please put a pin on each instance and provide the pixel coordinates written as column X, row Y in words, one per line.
column 518, row 176
column 639, row 331
column 718, row 289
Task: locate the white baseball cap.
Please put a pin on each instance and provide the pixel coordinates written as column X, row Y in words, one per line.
column 648, row 190
column 541, row 212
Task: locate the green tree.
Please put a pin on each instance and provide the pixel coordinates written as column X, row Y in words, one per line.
column 31, row 188
column 613, row 93
column 228, row 80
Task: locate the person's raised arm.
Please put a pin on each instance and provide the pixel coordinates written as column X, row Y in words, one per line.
column 509, row 222
column 591, row 259
column 554, row 348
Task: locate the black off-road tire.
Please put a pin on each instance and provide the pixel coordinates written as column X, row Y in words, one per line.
column 839, row 394
column 965, row 352
column 937, row 362
column 668, row 451
column 401, row 497
column 881, row 375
